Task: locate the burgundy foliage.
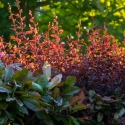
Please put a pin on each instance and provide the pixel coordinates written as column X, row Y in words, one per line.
column 103, row 64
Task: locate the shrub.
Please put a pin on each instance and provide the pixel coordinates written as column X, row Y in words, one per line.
column 105, row 110
column 32, row 49
column 103, row 63
column 24, row 97
column 35, row 96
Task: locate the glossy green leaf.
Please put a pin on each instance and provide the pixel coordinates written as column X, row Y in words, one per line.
column 73, row 121
column 32, row 104
column 70, row 91
column 70, row 81
column 43, row 82
column 11, row 114
column 22, row 109
column 64, row 106
column 20, row 103
column 47, row 99
column 20, row 75
column 37, row 87
column 8, row 73
column 44, row 116
column 59, row 101
column 1, row 121
column 1, row 65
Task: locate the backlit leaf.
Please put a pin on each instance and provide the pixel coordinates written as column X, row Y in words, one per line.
column 74, row 100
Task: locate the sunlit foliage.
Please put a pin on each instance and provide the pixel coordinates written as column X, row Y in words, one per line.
column 111, row 12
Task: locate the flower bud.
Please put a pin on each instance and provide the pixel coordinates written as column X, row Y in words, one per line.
column 47, row 70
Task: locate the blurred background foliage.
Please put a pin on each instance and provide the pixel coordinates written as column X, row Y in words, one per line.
column 69, row 12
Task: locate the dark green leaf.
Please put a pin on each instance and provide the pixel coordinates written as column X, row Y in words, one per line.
column 20, row 75
column 73, row 121
column 47, row 119
column 37, row 87
column 32, row 104
column 3, row 95
column 11, row 114
column 46, row 99
column 1, row 121
column 70, row 91
column 20, row 103
column 45, row 105
column 8, row 73
column 70, row 81
column 22, row 109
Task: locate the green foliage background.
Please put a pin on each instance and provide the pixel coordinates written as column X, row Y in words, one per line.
column 69, row 12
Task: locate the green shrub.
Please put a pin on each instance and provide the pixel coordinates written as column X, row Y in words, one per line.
column 22, row 93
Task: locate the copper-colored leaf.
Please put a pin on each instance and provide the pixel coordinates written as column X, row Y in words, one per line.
column 82, row 97
column 74, row 100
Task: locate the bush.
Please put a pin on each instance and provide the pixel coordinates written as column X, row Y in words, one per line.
column 24, row 97
column 104, row 64
column 105, row 110
column 29, row 97
column 32, row 49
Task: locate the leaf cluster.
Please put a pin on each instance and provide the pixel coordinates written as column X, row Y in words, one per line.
column 105, row 109
column 24, row 97
column 104, row 63
column 32, row 49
